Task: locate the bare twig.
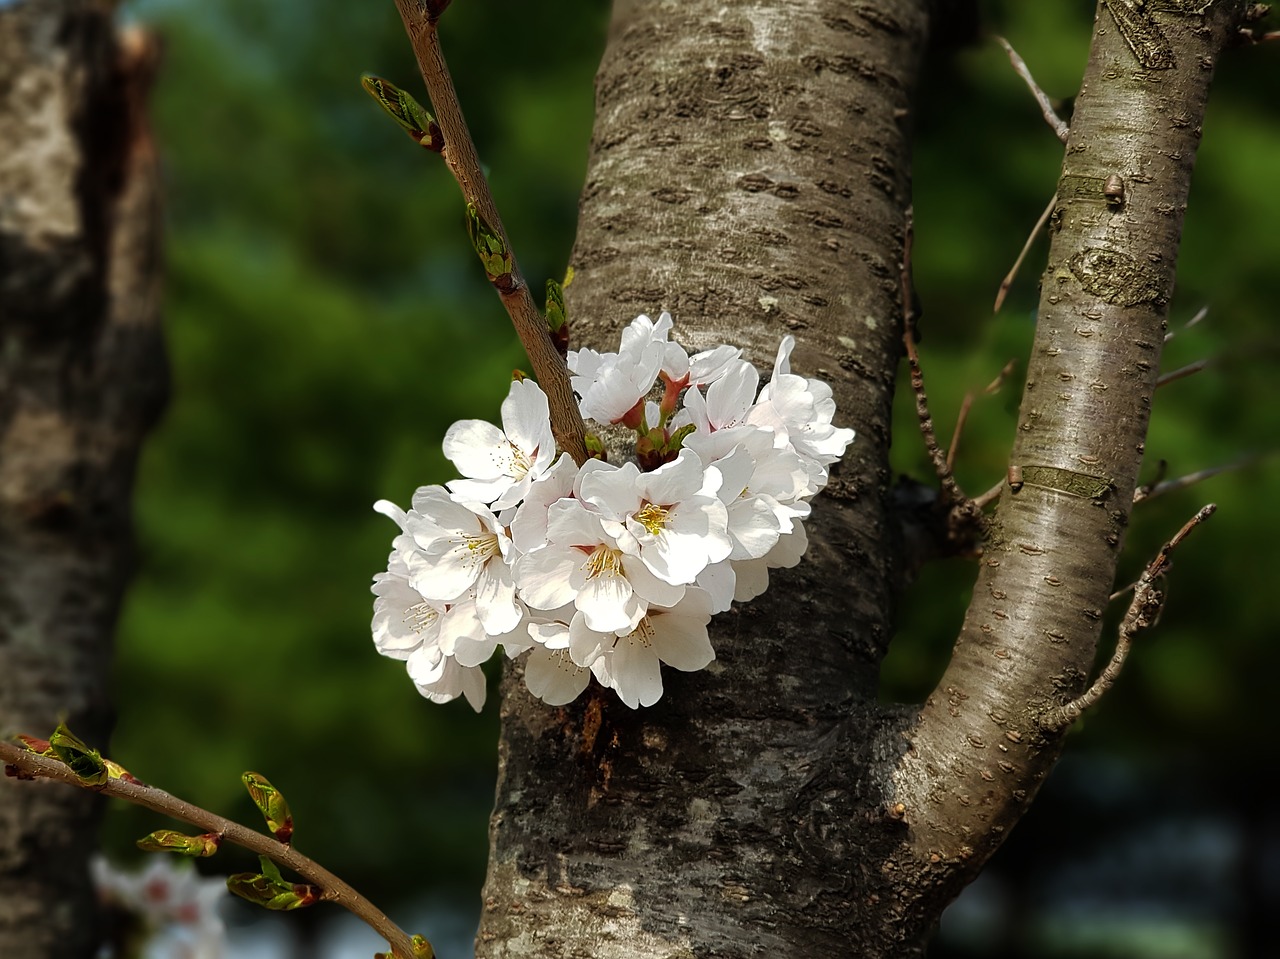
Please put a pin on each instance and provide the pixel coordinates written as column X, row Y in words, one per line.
column 1143, row 491
column 460, row 156
column 1184, row 371
column 1200, row 315
column 967, row 403
column 25, row 764
column 1144, row 611
column 1017, row 264
column 951, row 492
column 1055, row 122
column 1158, row 488
column 983, row 500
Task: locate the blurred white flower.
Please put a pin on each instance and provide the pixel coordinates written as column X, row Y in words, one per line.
column 178, row 908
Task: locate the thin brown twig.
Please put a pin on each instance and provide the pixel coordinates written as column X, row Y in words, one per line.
column 1181, row 373
column 1144, row 490
column 965, row 405
column 30, row 765
column 460, row 156
column 1152, row 490
column 1051, row 117
column 1026, row 247
column 983, row 500
column 1200, row 315
column 951, row 492
column 1144, row 611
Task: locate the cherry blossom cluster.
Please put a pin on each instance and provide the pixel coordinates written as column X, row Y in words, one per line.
column 607, row 570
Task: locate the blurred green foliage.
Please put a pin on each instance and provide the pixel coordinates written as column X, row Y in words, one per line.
column 327, row 321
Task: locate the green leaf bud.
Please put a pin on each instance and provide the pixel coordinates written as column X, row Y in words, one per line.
column 271, row 803
column 86, row 763
column 168, row 840
column 595, row 448
column 269, row 890
column 490, row 247
column 557, row 318
column 415, row 119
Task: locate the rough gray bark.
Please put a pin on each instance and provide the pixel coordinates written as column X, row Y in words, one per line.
column 82, row 376
column 749, row 173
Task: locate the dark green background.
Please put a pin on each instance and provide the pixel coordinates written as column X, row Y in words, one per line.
column 327, row 322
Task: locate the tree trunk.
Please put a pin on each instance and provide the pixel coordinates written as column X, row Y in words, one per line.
column 82, row 377
column 749, row 172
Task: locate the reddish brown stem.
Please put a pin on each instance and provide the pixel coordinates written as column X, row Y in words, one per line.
column 29, row 765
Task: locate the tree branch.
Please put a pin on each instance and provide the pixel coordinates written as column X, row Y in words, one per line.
column 978, row 753
column 24, row 764
column 1144, row 611
column 420, row 23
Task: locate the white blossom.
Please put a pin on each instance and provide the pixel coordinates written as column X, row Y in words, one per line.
column 501, row 464
column 607, row 570
column 676, row 523
column 799, row 411
column 442, row 645
column 460, row 554
column 583, row 565
column 628, row 662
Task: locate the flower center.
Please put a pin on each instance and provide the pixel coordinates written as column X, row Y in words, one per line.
column 603, row 561
column 653, row 517
column 520, row 463
column 421, row 616
column 482, row 546
column 642, row 635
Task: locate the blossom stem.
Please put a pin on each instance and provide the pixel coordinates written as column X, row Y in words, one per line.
column 25, row 764
column 460, row 157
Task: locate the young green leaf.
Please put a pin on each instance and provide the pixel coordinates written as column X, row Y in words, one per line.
column 557, row 318
column 269, row 890
column 86, row 763
column 271, row 803
column 489, row 246
column 168, row 840
column 412, row 116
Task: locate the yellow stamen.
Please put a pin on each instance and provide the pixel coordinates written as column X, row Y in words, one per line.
column 603, row 561
column 421, row 616
column 652, row 517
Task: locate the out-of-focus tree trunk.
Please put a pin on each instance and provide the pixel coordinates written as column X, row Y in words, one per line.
column 83, row 376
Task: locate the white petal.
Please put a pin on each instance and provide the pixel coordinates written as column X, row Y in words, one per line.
column 526, row 418
column 681, row 640
column 553, row 677
column 606, row 603
column 479, row 449
column 637, row 677
column 544, row 576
